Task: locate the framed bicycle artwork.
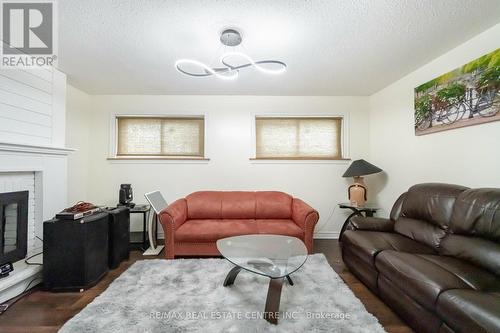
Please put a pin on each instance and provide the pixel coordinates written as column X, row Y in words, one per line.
column 468, row 95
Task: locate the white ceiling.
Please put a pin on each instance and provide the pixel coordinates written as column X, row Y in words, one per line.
column 336, row 47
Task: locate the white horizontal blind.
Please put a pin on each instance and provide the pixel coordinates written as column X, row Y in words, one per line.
column 298, row 137
column 161, row 136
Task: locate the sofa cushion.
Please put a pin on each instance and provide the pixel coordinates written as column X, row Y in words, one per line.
column 420, row 231
column 367, row 244
column 237, row 205
column 477, row 213
column 426, row 212
column 475, row 229
column 204, row 205
column 424, row 277
column 431, row 202
column 478, row 251
column 470, row 311
column 203, row 231
column 279, row 227
column 273, row 205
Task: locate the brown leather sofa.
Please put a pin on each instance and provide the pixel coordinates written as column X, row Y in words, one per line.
column 193, row 224
column 436, row 260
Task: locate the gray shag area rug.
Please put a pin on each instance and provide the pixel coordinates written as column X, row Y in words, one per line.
column 187, row 295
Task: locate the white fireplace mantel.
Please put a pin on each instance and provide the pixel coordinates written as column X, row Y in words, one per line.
column 20, row 148
column 49, row 167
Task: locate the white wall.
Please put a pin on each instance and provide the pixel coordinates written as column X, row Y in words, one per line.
column 229, row 147
column 468, row 156
column 78, row 132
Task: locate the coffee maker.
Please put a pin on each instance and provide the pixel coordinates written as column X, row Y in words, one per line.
column 126, row 196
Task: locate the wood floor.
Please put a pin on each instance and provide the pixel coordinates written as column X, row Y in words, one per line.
column 42, row 312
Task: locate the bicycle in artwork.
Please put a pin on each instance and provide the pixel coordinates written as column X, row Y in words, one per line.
column 465, row 96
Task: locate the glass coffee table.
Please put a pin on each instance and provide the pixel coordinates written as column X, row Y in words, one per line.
column 273, row 256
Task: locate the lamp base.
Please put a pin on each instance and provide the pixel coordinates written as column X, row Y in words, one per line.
column 357, row 192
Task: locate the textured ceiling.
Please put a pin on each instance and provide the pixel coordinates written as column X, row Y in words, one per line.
column 335, row 47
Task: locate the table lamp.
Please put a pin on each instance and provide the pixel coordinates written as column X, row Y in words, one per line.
column 357, row 192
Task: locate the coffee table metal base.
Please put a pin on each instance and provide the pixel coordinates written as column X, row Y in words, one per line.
column 271, row 312
column 231, row 276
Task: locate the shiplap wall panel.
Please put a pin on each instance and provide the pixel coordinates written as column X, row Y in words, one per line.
column 43, row 73
column 25, row 127
column 30, row 79
column 15, row 113
column 24, row 89
column 12, row 137
column 27, row 106
column 23, row 102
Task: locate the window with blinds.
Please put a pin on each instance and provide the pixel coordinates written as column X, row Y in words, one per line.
column 161, row 136
column 298, row 137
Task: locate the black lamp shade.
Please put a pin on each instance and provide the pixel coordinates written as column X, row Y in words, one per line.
column 361, row 168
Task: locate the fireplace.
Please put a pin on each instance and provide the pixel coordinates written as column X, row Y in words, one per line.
column 13, row 226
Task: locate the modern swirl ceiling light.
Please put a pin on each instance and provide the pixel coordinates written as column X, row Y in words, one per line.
column 227, row 71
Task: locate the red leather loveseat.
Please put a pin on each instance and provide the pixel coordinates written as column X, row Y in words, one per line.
column 193, row 224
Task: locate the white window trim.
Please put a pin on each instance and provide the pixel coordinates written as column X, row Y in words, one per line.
column 113, row 138
column 345, row 138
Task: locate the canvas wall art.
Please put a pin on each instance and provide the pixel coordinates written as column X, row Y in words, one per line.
column 468, row 95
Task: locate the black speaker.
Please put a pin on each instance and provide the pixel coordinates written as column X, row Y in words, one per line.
column 75, row 252
column 119, row 235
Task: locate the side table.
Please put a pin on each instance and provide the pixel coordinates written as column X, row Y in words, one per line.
column 144, row 210
column 367, row 211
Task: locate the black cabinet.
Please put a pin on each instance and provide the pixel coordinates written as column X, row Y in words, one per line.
column 119, row 235
column 75, row 252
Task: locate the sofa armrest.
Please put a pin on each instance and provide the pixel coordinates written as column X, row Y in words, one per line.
column 175, row 213
column 171, row 218
column 301, row 212
column 371, row 224
column 306, row 218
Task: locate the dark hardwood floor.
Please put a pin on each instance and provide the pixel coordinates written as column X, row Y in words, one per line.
column 41, row 312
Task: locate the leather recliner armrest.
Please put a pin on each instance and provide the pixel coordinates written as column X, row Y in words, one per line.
column 371, row 224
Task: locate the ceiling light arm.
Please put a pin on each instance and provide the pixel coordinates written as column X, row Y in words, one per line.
column 253, row 63
column 232, row 38
column 276, row 62
column 207, row 70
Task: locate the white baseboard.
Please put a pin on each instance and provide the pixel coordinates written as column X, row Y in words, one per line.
column 327, row 235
